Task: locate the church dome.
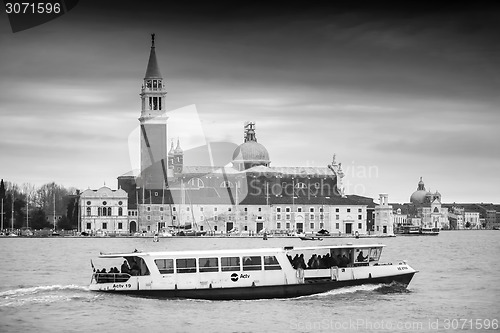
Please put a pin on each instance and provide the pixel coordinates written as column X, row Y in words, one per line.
column 251, row 152
column 418, row 197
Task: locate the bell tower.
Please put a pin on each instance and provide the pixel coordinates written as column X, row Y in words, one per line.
column 153, row 121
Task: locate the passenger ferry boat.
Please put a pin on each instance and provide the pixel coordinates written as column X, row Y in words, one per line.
column 416, row 231
column 249, row 273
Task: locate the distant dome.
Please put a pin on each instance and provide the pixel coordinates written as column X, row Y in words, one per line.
column 418, row 197
column 251, row 152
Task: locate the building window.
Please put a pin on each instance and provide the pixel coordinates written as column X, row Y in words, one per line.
column 246, row 217
column 226, row 184
column 278, row 225
column 215, row 228
column 173, row 209
column 288, row 225
column 161, row 209
column 245, row 228
column 311, row 216
column 120, row 225
column 337, row 226
column 201, row 209
column 359, row 210
column 215, row 209
column 246, row 209
column 360, row 217
column 311, row 226
column 148, row 209
column 104, row 203
column 229, row 209
column 321, row 225
column 109, row 211
column 104, row 211
column 348, row 210
column 359, row 226
column 311, row 210
column 278, row 209
column 88, row 211
column 149, row 217
column 287, row 209
column 216, row 218
column 89, row 226
column 187, row 209
column 104, row 226
column 287, row 216
column 120, row 203
column 260, row 209
column 337, row 210
column 321, row 209
column 278, row 216
column 120, row 211
column 299, row 209
column 88, row 203
column 337, row 217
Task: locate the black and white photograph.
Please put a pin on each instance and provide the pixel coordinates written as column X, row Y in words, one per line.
column 238, row 166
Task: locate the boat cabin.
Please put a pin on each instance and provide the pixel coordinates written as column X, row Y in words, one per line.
column 270, row 265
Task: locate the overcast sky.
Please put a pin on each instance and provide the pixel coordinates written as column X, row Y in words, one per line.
column 396, row 93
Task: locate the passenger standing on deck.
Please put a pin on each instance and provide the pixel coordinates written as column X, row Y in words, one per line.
column 124, row 268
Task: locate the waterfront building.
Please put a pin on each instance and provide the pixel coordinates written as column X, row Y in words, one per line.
column 246, row 196
column 425, row 209
column 104, row 211
column 384, row 219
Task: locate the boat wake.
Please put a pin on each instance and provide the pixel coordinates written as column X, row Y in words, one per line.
column 393, row 288
column 43, row 295
column 347, row 290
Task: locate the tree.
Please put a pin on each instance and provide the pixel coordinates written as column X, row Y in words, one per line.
column 65, row 223
column 38, row 219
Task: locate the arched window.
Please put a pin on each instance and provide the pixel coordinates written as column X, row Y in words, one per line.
column 104, row 211
column 226, row 184
column 88, row 211
column 196, row 183
column 300, row 185
column 436, row 210
column 99, row 211
column 120, row 211
column 109, row 211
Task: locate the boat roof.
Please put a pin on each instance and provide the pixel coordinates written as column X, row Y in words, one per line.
column 235, row 251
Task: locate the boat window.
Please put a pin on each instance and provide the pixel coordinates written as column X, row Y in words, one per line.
column 208, row 265
column 165, row 266
column 271, row 263
column 230, row 264
column 187, row 265
column 252, row 263
column 375, row 253
column 361, row 255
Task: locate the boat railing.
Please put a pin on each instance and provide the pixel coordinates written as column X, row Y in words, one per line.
column 111, row 277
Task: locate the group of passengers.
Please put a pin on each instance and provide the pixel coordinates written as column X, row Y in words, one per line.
column 125, row 269
column 317, row 261
column 134, row 270
column 111, row 270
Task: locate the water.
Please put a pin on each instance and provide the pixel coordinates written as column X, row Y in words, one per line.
column 44, row 288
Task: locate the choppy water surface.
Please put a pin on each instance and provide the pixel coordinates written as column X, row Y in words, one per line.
column 44, row 288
